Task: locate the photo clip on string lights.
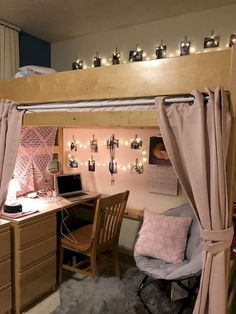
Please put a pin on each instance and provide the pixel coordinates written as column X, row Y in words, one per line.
column 112, row 144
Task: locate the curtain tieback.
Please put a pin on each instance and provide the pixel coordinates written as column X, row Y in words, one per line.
column 215, row 241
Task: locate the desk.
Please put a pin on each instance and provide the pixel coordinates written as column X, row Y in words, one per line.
column 35, row 249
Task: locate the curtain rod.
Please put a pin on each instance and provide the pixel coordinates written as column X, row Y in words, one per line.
column 182, row 99
column 9, row 25
column 103, row 104
column 87, row 104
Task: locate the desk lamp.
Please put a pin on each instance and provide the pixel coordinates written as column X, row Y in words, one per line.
column 11, row 205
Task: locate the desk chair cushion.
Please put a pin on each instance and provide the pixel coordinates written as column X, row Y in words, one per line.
column 192, row 263
column 80, row 240
column 163, row 237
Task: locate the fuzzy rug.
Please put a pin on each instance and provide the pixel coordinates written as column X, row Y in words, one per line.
column 109, row 295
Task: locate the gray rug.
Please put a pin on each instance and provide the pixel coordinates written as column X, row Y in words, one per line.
column 109, row 295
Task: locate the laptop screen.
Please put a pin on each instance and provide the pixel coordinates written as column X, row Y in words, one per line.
column 68, row 184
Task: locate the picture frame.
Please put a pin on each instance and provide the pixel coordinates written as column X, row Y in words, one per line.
column 157, row 152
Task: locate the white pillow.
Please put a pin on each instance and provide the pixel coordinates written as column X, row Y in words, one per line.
column 30, row 70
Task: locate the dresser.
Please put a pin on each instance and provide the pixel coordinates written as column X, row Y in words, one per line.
column 5, row 268
column 34, row 255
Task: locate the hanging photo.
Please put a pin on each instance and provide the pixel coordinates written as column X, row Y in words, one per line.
column 97, row 61
column 136, row 167
column 73, row 163
column 91, row 165
column 116, row 57
column 185, row 48
column 93, row 145
column 113, row 167
column 77, row 65
column 232, row 40
column 157, row 152
column 136, row 55
column 73, row 144
column 161, row 51
column 112, row 143
column 212, row 41
column 136, row 143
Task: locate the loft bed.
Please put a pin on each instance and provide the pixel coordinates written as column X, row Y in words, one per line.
column 172, row 76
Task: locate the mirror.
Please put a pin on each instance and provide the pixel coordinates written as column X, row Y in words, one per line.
column 54, row 167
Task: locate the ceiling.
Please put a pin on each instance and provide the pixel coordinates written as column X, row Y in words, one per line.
column 58, row 20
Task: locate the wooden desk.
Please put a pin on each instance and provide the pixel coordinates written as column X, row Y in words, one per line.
column 5, row 268
column 35, row 249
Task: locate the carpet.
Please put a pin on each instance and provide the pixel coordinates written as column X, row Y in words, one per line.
column 110, row 295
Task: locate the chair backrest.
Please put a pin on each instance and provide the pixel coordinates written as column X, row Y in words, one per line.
column 107, row 221
column 194, row 241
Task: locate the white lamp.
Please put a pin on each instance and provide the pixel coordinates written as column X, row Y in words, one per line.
column 11, row 204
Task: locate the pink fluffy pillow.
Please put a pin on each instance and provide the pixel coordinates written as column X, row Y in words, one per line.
column 163, row 237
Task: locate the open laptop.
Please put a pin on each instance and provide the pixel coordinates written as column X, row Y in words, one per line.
column 70, row 186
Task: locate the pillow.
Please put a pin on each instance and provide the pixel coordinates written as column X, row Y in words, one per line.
column 30, row 70
column 163, row 237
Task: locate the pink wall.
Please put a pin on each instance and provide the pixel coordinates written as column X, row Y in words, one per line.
column 100, row 180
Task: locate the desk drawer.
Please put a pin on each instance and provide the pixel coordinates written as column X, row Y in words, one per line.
column 5, row 273
column 38, row 251
column 5, row 244
column 37, row 229
column 5, row 299
column 37, row 281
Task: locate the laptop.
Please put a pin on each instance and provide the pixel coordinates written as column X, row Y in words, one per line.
column 70, row 186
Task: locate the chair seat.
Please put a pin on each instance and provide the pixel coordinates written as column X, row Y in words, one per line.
column 161, row 270
column 83, row 237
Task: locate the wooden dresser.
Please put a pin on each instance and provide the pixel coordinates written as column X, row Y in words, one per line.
column 5, row 268
column 34, row 259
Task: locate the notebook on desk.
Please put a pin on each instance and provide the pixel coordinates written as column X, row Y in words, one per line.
column 70, row 186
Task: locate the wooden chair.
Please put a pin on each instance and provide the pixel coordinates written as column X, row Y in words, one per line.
column 97, row 238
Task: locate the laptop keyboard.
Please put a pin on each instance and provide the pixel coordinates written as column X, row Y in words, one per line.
column 75, row 195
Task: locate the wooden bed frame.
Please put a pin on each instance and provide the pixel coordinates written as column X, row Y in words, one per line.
column 178, row 75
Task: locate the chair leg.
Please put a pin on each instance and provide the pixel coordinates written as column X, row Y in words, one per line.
column 93, row 262
column 191, row 293
column 138, row 292
column 142, row 284
column 61, row 256
column 115, row 254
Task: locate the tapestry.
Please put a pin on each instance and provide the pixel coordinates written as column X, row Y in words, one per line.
column 34, row 153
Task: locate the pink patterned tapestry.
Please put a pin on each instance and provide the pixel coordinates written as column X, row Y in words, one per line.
column 34, row 153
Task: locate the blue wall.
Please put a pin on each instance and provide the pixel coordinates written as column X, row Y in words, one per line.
column 34, row 51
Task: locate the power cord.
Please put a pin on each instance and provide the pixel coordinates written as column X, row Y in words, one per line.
column 63, row 223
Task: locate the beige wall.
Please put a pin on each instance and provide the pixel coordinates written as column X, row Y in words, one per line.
column 172, row 31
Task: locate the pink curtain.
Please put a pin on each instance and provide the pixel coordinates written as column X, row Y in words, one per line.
column 35, row 152
column 10, row 128
column 196, row 137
